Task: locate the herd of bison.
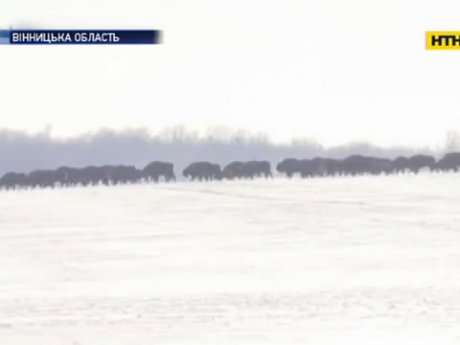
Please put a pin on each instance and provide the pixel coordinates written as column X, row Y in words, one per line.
column 123, row 174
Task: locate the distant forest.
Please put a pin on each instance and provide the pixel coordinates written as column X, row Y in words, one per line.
column 22, row 152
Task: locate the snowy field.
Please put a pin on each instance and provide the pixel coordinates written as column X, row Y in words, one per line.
column 368, row 260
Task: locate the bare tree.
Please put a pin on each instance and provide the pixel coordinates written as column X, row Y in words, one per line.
column 452, row 141
column 178, row 133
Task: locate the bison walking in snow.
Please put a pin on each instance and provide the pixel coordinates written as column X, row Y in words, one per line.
column 203, row 171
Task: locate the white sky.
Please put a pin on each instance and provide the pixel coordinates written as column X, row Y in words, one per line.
column 333, row 70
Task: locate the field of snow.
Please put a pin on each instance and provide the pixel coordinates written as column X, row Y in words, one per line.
column 367, row 260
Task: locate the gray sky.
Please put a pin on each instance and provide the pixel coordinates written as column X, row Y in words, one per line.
column 333, row 70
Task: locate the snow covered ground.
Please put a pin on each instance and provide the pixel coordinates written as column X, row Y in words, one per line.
column 368, row 260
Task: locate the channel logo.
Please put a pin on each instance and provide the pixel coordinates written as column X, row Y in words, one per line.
column 443, row 40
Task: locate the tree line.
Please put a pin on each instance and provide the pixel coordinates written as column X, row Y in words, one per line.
column 25, row 152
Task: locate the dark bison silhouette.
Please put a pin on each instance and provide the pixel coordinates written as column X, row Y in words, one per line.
column 42, row 178
column 13, row 180
column 419, row 162
column 94, row 175
column 309, row 167
column 400, row 165
column 203, row 171
column 450, row 162
column 413, row 164
column 69, row 176
column 382, row 166
column 289, row 166
column 234, row 170
column 357, row 165
column 123, row 174
column 156, row 170
column 321, row 167
column 365, row 165
column 254, row 169
column 105, row 175
column 247, row 170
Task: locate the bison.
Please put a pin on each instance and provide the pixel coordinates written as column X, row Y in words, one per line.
column 156, row 170
column 203, row 171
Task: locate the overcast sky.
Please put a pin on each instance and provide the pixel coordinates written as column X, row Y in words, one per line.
column 333, row 70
